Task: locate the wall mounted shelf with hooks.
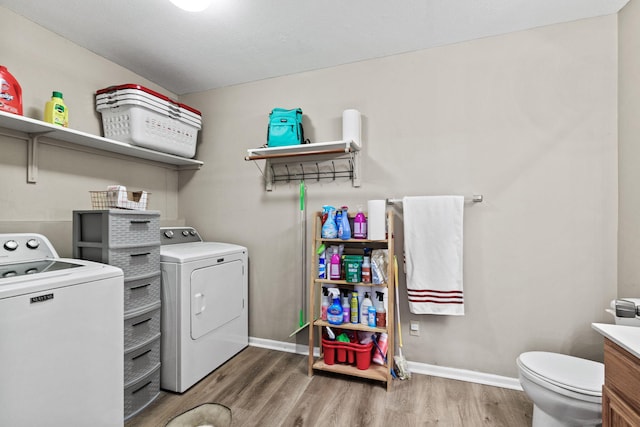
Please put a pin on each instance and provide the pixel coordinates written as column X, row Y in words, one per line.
column 323, row 160
column 32, row 130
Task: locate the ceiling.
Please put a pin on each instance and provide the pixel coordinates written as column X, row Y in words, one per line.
column 239, row 41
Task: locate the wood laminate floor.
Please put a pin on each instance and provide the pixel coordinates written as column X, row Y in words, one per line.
column 271, row 388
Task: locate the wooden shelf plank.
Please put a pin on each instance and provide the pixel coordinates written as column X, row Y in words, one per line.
column 375, row 372
column 315, row 148
column 345, row 283
column 351, row 326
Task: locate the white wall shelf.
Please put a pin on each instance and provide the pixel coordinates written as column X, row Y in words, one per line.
column 32, row 130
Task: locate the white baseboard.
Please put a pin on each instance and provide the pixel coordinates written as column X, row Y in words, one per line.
column 414, row 367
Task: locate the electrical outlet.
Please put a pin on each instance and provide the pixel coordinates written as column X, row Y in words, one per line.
column 414, row 329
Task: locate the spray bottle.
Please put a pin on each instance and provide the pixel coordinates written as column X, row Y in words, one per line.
column 381, row 313
column 334, row 312
column 346, row 308
column 325, row 304
column 383, row 344
column 329, row 228
column 344, row 229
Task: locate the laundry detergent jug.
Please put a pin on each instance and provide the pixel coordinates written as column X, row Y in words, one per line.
column 10, row 92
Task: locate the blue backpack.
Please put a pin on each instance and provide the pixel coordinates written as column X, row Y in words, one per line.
column 285, row 127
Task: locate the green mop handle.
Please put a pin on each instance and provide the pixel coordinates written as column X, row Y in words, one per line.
column 302, row 316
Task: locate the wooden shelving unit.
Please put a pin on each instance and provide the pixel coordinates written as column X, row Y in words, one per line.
column 375, row 372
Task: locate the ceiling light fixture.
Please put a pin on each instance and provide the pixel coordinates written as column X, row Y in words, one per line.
column 192, row 5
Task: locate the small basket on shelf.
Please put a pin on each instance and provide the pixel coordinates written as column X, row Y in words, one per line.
column 117, row 197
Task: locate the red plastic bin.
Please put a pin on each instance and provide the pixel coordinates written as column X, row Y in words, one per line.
column 346, row 352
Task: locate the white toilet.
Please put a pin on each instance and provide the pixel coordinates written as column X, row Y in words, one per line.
column 565, row 390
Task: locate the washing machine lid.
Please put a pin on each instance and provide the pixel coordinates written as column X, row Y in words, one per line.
column 572, row 373
column 194, row 251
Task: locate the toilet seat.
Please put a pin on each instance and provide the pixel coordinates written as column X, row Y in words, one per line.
column 568, row 375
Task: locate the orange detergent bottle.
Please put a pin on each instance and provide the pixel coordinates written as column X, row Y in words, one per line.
column 10, row 92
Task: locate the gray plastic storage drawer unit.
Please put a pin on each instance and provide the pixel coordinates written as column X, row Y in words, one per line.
column 130, row 240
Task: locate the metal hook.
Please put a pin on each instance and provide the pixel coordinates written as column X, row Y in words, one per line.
column 288, row 174
column 302, row 168
column 333, row 165
column 317, row 172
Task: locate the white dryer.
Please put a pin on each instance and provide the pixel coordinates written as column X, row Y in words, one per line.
column 205, row 318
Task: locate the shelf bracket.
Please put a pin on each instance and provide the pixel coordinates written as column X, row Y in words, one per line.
column 356, row 180
column 33, row 144
column 268, row 175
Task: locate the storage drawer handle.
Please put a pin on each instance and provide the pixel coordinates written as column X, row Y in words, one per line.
column 140, row 355
column 140, row 221
column 135, row 288
column 141, row 254
column 141, row 322
column 135, row 391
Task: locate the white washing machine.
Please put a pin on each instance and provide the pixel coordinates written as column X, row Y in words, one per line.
column 61, row 337
column 205, row 309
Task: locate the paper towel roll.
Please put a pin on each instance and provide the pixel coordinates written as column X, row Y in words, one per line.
column 351, row 126
column 377, row 221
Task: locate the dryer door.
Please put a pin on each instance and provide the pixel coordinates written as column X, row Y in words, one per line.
column 216, row 296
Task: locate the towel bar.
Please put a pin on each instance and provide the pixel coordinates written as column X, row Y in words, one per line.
column 476, row 198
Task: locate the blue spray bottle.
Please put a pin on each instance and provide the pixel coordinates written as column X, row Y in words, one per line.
column 334, row 312
column 330, row 228
column 344, row 229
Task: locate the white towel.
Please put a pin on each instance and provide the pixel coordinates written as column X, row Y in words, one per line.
column 433, row 254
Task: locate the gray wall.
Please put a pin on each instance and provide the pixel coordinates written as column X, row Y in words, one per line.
column 629, row 152
column 43, row 62
column 528, row 119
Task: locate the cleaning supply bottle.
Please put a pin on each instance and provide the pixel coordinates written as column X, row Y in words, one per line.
column 360, row 225
column 344, row 229
column 371, row 317
column 10, row 92
column 334, row 265
column 383, row 344
column 339, row 222
column 354, row 307
column 365, row 272
column 334, row 312
column 364, row 309
column 55, row 111
column 346, row 307
column 330, row 228
column 322, row 262
column 325, row 304
column 381, row 312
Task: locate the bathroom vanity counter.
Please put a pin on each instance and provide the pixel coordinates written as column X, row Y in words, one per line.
column 627, row 337
column 621, row 390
